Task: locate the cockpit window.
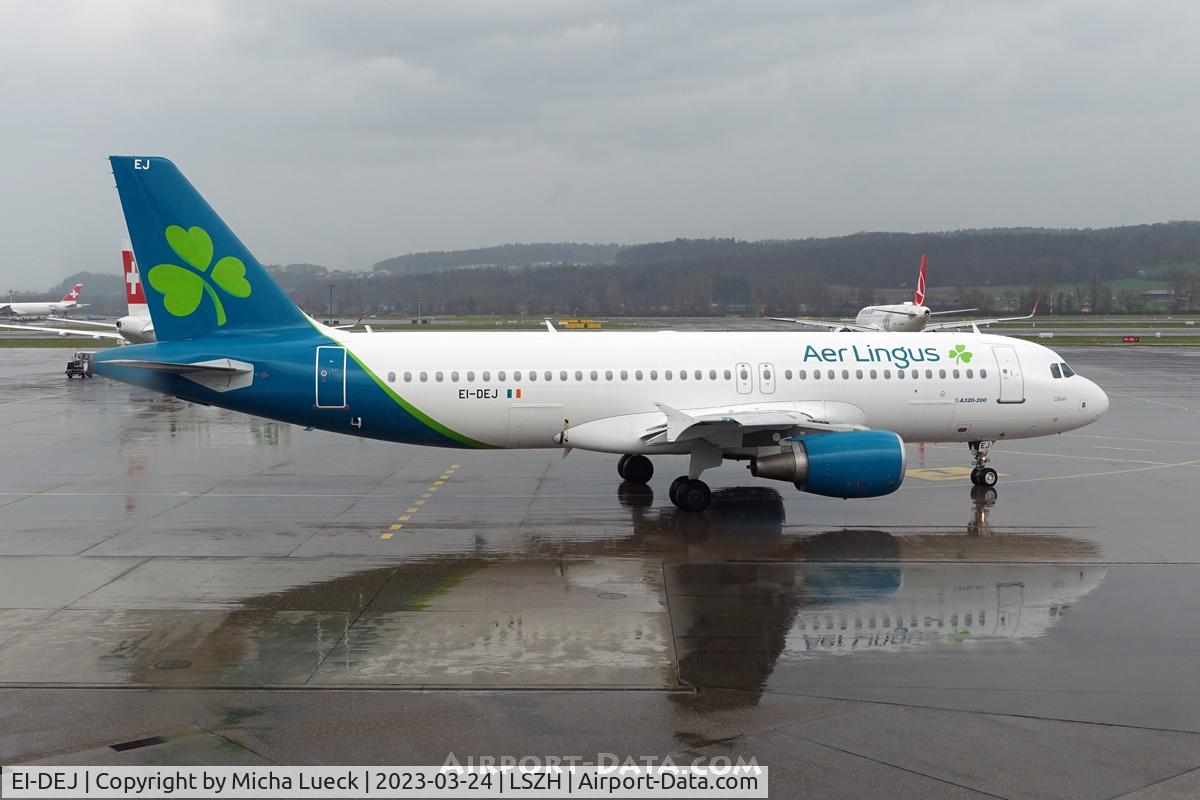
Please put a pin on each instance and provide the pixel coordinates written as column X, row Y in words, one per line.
column 1055, row 371
column 1067, row 371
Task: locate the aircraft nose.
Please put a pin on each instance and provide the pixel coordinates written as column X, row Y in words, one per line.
column 1097, row 400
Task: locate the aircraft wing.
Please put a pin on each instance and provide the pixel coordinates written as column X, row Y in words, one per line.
column 827, row 324
column 357, row 322
column 109, row 325
column 680, row 426
column 965, row 323
column 65, row 331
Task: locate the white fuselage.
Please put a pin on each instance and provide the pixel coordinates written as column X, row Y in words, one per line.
column 136, row 328
column 525, row 389
column 37, row 309
column 898, row 318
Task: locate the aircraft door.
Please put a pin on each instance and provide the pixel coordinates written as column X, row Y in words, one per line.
column 1012, row 384
column 766, row 378
column 331, row 377
column 744, row 381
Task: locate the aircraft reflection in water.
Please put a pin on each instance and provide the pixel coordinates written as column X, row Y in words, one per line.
column 154, row 423
column 849, row 591
column 744, row 598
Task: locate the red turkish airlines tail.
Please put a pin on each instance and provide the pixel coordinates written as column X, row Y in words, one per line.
column 919, row 295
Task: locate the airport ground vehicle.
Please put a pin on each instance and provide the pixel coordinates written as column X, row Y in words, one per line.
column 81, row 365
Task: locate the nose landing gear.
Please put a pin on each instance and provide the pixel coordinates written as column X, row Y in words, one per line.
column 982, row 474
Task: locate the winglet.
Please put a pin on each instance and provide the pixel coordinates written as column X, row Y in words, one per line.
column 550, row 326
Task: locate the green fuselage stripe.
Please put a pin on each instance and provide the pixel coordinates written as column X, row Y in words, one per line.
column 411, row 409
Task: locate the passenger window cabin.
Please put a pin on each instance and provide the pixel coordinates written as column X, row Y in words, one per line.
column 1057, row 370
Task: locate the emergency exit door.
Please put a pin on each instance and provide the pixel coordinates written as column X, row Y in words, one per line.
column 745, row 383
column 331, row 377
column 766, row 378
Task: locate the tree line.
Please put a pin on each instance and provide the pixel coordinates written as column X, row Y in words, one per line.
column 994, row 270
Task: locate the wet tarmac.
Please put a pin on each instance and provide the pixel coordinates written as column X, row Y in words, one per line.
column 253, row 592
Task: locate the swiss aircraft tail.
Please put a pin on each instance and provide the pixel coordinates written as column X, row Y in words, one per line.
column 73, row 295
column 919, row 295
column 200, row 280
column 135, row 295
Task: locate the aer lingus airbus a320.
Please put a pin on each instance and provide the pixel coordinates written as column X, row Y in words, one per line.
column 827, row 412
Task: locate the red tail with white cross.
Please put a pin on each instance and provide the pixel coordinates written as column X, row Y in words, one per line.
column 134, row 294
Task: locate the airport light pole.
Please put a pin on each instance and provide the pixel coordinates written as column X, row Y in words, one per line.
column 331, row 302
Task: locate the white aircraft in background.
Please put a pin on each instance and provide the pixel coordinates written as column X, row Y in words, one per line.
column 903, row 317
column 45, row 309
column 135, row 327
column 825, row 412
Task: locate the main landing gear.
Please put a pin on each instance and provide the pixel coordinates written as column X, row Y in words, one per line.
column 982, row 474
column 689, row 494
column 635, row 469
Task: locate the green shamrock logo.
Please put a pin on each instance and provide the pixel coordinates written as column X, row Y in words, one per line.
column 182, row 288
column 960, row 354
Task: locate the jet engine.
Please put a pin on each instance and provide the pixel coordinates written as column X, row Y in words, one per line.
column 845, row 464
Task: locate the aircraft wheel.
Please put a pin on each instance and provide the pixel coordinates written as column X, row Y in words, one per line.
column 988, row 477
column 975, row 477
column 693, row 496
column 675, row 487
column 983, row 494
column 635, row 495
column 621, row 465
column 638, row 469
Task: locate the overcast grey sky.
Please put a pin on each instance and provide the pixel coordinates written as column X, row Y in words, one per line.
column 344, row 133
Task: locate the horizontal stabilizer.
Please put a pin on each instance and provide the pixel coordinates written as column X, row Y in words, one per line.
column 221, row 374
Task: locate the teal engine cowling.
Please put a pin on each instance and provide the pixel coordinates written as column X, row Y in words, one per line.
column 845, row 464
